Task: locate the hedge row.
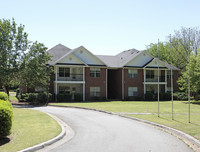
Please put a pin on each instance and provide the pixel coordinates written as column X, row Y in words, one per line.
column 166, row 96
column 6, row 115
column 67, row 97
column 35, row 98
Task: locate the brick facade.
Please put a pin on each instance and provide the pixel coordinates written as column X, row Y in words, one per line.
column 134, row 82
column 95, row 82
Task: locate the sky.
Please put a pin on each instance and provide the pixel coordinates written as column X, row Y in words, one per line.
column 102, row 26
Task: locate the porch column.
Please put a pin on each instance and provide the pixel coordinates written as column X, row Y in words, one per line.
column 83, row 83
column 144, row 71
column 165, row 81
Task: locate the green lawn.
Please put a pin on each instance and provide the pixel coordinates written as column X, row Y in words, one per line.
column 30, row 127
column 138, row 108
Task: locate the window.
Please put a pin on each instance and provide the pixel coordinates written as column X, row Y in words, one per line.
column 95, row 91
column 95, row 72
column 64, row 72
column 64, row 89
column 132, row 91
column 150, row 74
column 132, row 73
column 169, row 74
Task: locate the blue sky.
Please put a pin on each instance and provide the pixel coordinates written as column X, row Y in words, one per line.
column 102, row 26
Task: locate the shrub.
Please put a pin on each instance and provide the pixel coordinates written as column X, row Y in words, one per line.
column 180, row 96
column 78, row 97
column 64, row 97
column 167, row 96
column 6, row 117
column 96, row 98
column 149, row 96
column 137, row 98
column 34, row 98
column 3, row 96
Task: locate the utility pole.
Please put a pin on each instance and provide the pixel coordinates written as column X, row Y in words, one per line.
column 158, row 83
column 189, row 80
column 172, row 89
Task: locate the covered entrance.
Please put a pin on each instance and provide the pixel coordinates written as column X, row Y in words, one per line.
column 114, row 84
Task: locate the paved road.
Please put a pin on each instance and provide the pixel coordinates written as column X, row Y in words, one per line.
column 100, row 132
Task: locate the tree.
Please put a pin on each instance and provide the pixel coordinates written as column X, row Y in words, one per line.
column 194, row 76
column 13, row 44
column 35, row 72
column 184, row 42
column 164, row 54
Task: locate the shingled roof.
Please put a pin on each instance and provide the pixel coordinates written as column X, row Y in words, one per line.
column 117, row 61
column 57, row 52
column 120, row 59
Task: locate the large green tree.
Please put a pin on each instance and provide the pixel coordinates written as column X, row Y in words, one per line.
column 194, row 76
column 13, row 45
column 35, row 72
column 21, row 61
column 185, row 47
column 183, row 42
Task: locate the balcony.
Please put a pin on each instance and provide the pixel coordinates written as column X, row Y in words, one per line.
column 155, row 79
column 71, row 77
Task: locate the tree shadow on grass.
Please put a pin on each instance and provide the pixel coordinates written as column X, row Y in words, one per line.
column 4, row 141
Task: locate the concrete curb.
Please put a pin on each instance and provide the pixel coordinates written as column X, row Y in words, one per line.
column 186, row 138
column 51, row 141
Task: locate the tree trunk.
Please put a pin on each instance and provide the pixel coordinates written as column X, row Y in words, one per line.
column 6, row 89
column 196, row 96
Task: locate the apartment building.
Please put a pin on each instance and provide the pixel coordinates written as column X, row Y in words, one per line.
column 129, row 74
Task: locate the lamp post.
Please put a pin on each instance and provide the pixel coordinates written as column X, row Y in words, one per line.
column 47, row 66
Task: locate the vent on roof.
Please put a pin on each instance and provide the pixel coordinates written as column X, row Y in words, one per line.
column 81, row 51
column 121, row 58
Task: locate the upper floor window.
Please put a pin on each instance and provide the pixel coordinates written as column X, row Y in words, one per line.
column 150, row 74
column 132, row 73
column 95, row 72
column 64, row 72
column 169, row 74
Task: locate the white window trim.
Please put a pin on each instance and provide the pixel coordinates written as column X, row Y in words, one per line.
column 132, row 73
column 132, row 91
column 96, row 72
column 95, row 91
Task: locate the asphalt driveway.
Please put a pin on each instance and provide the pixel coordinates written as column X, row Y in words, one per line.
column 100, row 132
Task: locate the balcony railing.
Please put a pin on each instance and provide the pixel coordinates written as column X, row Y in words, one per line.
column 71, row 77
column 155, row 79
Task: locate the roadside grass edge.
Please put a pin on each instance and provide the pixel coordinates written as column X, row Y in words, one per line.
column 51, row 141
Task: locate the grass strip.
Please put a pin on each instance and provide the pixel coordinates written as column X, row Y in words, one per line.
column 30, row 127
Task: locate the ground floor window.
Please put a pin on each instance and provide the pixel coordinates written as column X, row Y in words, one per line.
column 64, row 89
column 132, row 91
column 95, row 91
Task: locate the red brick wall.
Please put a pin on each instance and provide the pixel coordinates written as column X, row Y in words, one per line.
column 133, row 82
column 98, row 82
